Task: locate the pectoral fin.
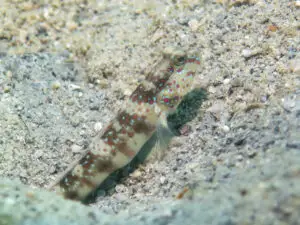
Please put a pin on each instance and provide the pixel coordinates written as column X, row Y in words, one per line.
column 163, row 136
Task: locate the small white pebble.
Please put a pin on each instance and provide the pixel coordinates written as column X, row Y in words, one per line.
column 212, row 90
column 193, row 24
column 192, row 166
column 162, row 179
column 226, row 81
column 97, row 126
column 127, row 92
column 289, row 102
column 74, row 87
column 226, row 129
column 120, row 188
column 239, row 157
column 55, row 85
column 136, row 174
column 52, row 169
column 76, row 148
column 247, row 53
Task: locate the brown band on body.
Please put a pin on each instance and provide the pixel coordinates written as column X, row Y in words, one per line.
column 67, row 184
column 126, row 150
column 105, row 165
column 143, row 94
column 87, row 160
column 71, row 195
column 137, row 123
column 68, row 180
column 87, row 182
column 141, row 126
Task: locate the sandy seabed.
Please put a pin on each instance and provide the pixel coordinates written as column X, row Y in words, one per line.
column 67, row 67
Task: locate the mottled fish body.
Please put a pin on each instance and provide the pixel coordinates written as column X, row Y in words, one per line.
column 160, row 94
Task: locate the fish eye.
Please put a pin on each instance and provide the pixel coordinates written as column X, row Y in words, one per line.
column 180, row 60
